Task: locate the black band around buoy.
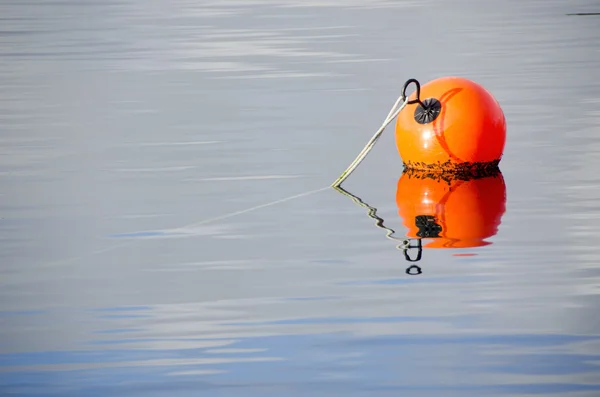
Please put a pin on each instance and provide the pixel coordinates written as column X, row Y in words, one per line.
column 428, row 110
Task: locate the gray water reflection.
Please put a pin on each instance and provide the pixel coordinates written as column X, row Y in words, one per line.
column 126, row 124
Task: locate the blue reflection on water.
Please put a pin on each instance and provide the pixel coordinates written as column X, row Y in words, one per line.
column 313, row 363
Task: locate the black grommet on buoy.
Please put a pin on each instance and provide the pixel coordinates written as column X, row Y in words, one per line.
column 427, row 111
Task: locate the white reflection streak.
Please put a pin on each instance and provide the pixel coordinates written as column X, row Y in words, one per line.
column 144, row 363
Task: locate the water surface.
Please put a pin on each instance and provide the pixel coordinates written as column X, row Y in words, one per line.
column 127, row 124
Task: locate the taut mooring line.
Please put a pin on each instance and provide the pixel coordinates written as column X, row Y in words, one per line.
column 232, row 214
column 400, row 103
column 203, row 222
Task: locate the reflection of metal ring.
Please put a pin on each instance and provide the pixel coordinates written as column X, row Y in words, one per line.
column 419, row 252
column 408, row 258
column 419, row 271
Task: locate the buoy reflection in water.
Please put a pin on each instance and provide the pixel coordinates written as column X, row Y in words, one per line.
column 451, row 210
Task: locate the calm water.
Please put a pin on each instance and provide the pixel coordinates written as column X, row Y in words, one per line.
column 126, row 124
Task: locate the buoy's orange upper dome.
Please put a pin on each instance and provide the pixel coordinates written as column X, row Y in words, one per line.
column 470, row 130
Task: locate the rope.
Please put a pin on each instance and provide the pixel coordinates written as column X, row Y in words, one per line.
column 203, row 222
column 232, row 214
column 400, row 103
column 398, row 106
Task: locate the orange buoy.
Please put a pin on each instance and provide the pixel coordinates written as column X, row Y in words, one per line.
column 457, row 126
column 455, row 212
